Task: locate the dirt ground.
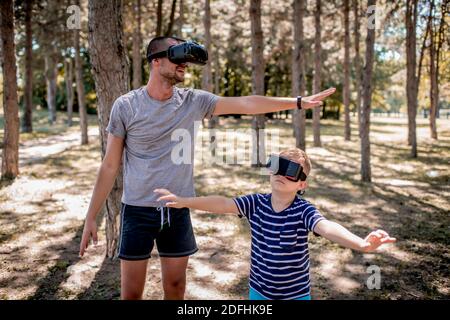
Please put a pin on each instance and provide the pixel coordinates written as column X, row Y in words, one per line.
column 42, row 214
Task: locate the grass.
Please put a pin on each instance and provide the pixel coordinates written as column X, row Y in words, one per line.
column 42, row 128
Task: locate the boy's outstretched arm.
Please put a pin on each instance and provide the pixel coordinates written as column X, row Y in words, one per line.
column 337, row 233
column 214, row 204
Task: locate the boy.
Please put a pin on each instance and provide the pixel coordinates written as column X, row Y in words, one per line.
column 280, row 222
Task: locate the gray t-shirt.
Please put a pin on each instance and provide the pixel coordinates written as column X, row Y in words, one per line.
column 147, row 125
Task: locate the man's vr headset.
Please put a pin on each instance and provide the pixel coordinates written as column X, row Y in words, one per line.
column 186, row 52
column 287, row 168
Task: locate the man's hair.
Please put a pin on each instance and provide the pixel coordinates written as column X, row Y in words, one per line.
column 296, row 154
column 159, row 44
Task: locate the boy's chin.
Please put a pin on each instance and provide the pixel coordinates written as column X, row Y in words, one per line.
column 280, row 189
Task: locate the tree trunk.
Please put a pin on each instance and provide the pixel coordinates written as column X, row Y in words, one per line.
column 159, row 19
column 80, row 90
column 27, row 121
column 366, row 174
column 437, row 39
column 180, row 20
column 346, row 88
column 433, row 78
column 216, row 71
column 317, row 71
column 207, row 74
column 137, row 43
column 10, row 158
column 441, row 38
column 68, row 72
column 51, row 70
column 411, row 75
column 298, row 73
column 258, row 123
column 357, row 62
column 172, row 18
column 110, row 70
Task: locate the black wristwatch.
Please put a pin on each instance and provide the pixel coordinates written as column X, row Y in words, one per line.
column 299, row 102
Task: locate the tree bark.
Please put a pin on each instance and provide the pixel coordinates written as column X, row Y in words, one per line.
column 298, row 73
column 437, row 39
column 433, row 77
column 27, row 120
column 180, row 20
column 171, row 19
column 357, row 63
column 366, row 174
column 216, row 71
column 317, row 71
column 51, row 70
column 137, row 43
column 411, row 75
column 80, row 89
column 258, row 123
column 110, row 70
column 346, row 88
column 68, row 72
column 207, row 83
column 207, row 72
column 159, row 19
column 10, row 158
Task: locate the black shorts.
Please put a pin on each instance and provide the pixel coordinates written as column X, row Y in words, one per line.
column 141, row 226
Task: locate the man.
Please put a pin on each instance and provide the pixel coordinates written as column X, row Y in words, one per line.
column 141, row 123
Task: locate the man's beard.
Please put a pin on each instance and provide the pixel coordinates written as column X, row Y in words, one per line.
column 172, row 77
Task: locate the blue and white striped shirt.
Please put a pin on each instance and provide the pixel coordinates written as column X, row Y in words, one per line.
column 279, row 251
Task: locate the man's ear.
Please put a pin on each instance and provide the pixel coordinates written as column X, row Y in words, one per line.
column 156, row 62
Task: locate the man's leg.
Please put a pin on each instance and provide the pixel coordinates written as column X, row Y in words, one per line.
column 133, row 276
column 173, row 272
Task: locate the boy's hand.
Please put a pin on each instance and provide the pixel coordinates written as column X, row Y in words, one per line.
column 173, row 201
column 376, row 239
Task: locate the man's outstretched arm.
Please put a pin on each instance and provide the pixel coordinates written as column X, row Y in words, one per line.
column 261, row 104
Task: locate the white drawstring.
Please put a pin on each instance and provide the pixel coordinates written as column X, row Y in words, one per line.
column 168, row 216
column 161, row 209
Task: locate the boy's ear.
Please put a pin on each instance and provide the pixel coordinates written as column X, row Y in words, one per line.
column 302, row 185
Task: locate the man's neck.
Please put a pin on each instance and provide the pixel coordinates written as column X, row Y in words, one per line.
column 159, row 89
column 281, row 200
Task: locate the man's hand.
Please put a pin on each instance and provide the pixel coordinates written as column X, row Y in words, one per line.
column 376, row 239
column 316, row 100
column 173, row 200
column 90, row 229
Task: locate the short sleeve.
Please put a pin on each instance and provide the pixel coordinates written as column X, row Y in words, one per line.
column 117, row 123
column 206, row 101
column 311, row 216
column 246, row 205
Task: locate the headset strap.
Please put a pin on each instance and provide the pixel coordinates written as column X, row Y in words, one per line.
column 161, row 54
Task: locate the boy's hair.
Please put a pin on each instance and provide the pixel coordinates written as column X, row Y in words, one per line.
column 159, row 44
column 296, row 154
